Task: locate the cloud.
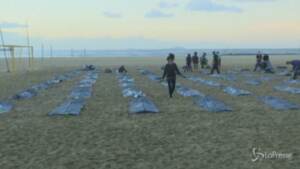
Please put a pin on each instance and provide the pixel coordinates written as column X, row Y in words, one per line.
column 110, row 14
column 165, row 4
column 155, row 13
column 12, row 25
column 159, row 13
column 211, row 6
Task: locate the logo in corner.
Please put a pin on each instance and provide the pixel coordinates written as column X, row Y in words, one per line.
column 256, row 155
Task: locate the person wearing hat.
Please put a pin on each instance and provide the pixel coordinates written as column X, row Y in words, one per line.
column 170, row 72
column 296, row 67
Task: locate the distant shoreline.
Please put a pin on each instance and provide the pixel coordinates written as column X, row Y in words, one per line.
column 152, row 53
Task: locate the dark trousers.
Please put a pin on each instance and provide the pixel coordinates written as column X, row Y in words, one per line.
column 215, row 67
column 171, row 85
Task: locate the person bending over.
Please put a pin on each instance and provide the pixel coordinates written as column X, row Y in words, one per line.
column 122, row 69
column 296, row 67
column 170, row 72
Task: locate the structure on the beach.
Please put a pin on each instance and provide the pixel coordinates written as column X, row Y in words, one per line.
column 10, row 55
column 9, row 52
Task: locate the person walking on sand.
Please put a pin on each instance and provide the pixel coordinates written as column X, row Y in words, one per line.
column 170, row 72
column 195, row 60
column 216, row 64
column 189, row 63
column 296, row 67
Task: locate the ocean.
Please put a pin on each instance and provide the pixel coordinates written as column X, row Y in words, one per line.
column 147, row 53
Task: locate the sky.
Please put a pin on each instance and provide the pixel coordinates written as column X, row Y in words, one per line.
column 155, row 24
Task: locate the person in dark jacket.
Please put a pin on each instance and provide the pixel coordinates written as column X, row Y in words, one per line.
column 296, row 67
column 170, row 72
column 195, row 60
column 203, row 61
column 258, row 64
column 122, row 69
column 89, row 67
column 216, row 64
column 267, row 65
column 189, row 63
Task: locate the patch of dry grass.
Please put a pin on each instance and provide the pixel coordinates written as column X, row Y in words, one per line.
column 105, row 136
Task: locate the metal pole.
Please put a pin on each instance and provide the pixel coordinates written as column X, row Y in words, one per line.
column 84, row 52
column 30, row 55
column 72, row 52
column 32, row 52
column 51, row 51
column 42, row 52
column 13, row 59
column 4, row 52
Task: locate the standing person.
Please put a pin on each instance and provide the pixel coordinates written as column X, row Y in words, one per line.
column 195, row 61
column 203, row 61
column 170, row 72
column 189, row 63
column 296, row 67
column 258, row 64
column 216, row 64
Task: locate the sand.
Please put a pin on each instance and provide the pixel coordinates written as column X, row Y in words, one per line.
column 181, row 136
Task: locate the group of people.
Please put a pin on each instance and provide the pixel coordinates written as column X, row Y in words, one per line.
column 192, row 62
column 170, row 70
column 263, row 63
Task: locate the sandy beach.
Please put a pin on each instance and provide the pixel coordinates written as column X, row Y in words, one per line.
column 182, row 135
